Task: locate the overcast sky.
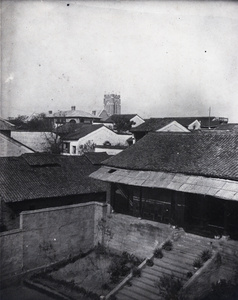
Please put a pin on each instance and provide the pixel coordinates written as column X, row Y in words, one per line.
column 166, row 58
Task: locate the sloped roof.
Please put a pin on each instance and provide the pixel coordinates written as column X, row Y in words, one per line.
column 37, row 175
column 228, row 126
column 36, row 140
column 153, row 124
column 5, row 125
column 96, row 158
column 206, row 154
column 127, row 117
column 11, row 147
column 72, row 114
column 220, row 188
column 81, row 131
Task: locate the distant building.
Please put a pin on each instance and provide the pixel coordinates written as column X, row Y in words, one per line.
column 39, row 141
column 134, row 118
column 6, row 127
column 8, row 145
column 112, row 104
column 11, row 147
column 70, row 116
column 179, row 124
column 97, row 135
column 102, row 114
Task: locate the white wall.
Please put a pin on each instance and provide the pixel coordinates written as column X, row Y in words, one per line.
column 137, row 120
column 99, row 137
column 38, row 141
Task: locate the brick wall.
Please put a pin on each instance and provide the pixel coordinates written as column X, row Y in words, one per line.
column 11, row 253
column 140, row 237
column 50, row 235
column 8, row 218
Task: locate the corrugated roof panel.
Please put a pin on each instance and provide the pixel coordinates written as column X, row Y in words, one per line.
column 192, row 180
column 230, row 186
column 178, row 182
column 180, row 178
column 225, row 194
column 235, row 197
column 143, row 175
column 175, row 186
column 212, row 191
column 189, row 188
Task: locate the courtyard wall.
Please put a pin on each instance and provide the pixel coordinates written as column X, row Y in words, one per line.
column 49, row 235
column 136, row 236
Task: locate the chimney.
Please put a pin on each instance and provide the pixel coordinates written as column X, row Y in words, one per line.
column 73, row 107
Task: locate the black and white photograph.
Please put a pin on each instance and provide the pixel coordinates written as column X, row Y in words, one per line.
column 119, row 150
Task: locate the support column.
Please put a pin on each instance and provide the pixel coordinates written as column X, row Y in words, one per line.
column 226, row 214
column 141, row 202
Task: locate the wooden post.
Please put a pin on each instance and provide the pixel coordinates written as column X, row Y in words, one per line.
column 226, row 214
column 141, row 202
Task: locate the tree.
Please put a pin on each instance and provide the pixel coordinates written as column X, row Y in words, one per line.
column 122, row 124
column 19, row 121
column 89, row 146
column 53, row 143
column 35, row 123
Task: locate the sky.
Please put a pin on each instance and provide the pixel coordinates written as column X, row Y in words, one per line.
column 165, row 58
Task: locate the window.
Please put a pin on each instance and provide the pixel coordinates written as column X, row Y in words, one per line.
column 65, row 147
column 74, row 150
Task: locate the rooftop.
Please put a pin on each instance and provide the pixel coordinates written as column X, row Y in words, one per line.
column 73, row 113
column 37, row 175
column 200, row 153
column 80, row 130
column 127, row 117
column 154, row 124
column 5, row 125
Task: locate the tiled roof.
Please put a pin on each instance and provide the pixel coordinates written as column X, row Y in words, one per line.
column 228, row 126
column 34, row 176
column 72, row 114
column 154, row 124
column 5, row 125
column 121, row 116
column 96, row 158
column 82, row 131
column 206, row 154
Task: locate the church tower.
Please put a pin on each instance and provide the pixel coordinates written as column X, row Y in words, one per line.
column 112, row 104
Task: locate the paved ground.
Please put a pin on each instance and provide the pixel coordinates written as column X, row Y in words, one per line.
column 22, row 293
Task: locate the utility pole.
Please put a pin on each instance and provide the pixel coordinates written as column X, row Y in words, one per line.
column 209, row 123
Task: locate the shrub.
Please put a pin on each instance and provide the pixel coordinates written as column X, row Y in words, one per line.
column 113, row 297
column 170, row 287
column 206, row 255
column 149, row 262
column 197, row 263
column 168, row 246
column 223, row 290
column 158, row 253
column 136, row 272
column 189, row 274
column 122, row 265
column 105, row 286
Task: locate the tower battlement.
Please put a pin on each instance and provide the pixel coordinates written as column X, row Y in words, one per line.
column 112, row 104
